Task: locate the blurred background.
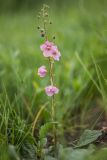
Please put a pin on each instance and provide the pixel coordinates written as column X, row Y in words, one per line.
column 16, row 5
column 80, row 28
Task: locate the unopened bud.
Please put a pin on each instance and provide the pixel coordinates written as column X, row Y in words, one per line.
column 53, row 37
column 46, row 15
column 42, row 34
column 46, row 6
column 38, row 27
column 42, row 30
column 45, row 21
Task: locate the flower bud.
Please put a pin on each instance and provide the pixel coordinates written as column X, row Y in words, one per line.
column 46, row 15
column 38, row 27
column 42, row 30
column 45, row 21
column 42, row 34
column 53, row 37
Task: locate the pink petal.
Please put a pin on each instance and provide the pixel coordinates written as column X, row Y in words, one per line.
column 51, row 90
column 42, row 71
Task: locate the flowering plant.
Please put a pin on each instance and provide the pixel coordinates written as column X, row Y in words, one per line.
column 51, row 52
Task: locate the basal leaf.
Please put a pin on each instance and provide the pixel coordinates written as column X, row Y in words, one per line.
column 88, row 137
column 44, row 130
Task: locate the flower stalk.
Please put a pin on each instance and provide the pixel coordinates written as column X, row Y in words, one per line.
column 51, row 52
column 51, row 64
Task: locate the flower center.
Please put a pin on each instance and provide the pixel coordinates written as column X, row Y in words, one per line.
column 48, row 48
column 54, row 53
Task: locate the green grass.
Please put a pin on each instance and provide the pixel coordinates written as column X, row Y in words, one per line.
column 81, row 35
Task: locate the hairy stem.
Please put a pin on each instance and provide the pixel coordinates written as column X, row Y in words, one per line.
column 51, row 64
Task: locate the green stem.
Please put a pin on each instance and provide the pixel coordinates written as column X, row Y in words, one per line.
column 52, row 100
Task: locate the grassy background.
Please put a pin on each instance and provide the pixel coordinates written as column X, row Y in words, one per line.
column 81, row 35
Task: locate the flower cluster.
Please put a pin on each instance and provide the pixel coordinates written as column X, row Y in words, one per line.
column 49, row 50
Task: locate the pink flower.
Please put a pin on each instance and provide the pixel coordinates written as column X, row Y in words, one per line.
column 51, row 90
column 42, row 71
column 47, row 48
column 55, row 54
column 50, row 50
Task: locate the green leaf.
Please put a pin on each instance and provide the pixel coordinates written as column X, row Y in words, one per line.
column 44, row 130
column 28, row 151
column 75, row 154
column 12, row 153
column 99, row 155
column 2, row 139
column 49, row 158
column 88, row 137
